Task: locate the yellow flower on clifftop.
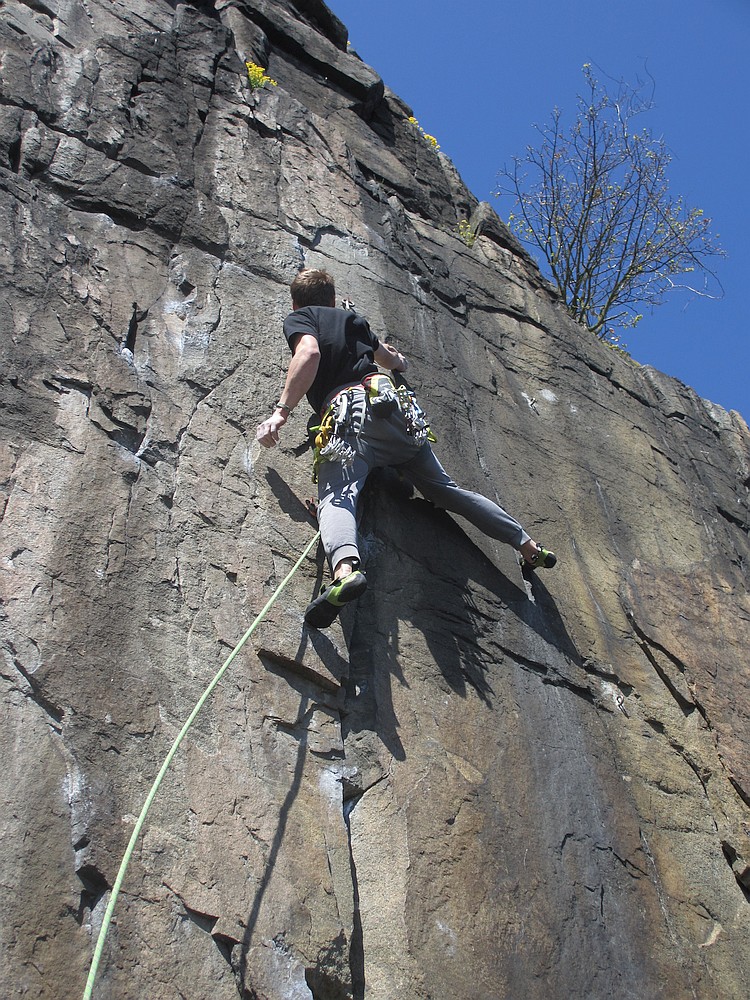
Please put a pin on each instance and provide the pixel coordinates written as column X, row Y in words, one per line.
column 427, row 138
column 257, row 76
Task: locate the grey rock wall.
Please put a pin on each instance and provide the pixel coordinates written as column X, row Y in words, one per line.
column 474, row 787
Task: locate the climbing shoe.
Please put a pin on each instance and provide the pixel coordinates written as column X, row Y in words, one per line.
column 544, row 559
column 326, row 606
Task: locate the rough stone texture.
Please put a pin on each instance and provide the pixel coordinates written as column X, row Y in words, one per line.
column 476, row 787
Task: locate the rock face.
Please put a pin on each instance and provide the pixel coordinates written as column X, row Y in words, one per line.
column 474, row 787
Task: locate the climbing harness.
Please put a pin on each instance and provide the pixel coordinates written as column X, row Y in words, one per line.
column 342, row 419
column 345, row 415
column 165, row 766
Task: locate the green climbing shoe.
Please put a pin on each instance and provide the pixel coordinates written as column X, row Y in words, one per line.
column 544, row 559
column 326, row 606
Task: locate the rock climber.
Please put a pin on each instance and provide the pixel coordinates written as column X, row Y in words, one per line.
column 366, row 422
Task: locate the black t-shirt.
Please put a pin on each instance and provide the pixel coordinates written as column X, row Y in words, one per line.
column 347, row 347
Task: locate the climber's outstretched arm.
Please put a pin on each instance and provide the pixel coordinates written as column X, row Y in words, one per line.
column 302, row 371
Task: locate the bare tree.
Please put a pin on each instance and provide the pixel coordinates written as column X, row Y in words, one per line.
column 595, row 200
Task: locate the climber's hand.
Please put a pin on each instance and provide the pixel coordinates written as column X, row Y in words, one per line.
column 268, row 432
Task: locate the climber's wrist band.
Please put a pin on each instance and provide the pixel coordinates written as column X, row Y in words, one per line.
column 283, row 406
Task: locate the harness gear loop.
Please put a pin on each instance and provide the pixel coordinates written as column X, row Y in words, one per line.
column 414, row 415
column 342, row 419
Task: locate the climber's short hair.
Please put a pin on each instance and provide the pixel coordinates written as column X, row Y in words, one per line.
column 313, row 287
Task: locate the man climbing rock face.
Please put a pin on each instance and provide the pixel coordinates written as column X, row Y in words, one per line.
column 366, row 422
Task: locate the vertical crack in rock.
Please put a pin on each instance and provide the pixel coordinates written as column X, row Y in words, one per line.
column 352, row 794
column 356, row 950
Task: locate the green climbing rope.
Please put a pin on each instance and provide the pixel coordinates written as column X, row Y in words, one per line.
column 165, row 766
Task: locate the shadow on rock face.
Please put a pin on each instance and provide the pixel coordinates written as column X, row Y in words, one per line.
column 426, row 572
column 289, row 502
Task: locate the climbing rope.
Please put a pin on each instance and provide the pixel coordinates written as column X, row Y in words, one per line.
column 165, row 766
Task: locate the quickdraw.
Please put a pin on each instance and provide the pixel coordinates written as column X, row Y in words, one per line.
column 343, row 418
column 414, row 415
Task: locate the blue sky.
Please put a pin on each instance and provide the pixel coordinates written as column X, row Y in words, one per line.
column 480, row 73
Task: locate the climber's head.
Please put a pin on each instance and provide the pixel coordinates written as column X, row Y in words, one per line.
column 313, row 287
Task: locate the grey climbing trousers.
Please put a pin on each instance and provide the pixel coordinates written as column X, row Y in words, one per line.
column 382, row 442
